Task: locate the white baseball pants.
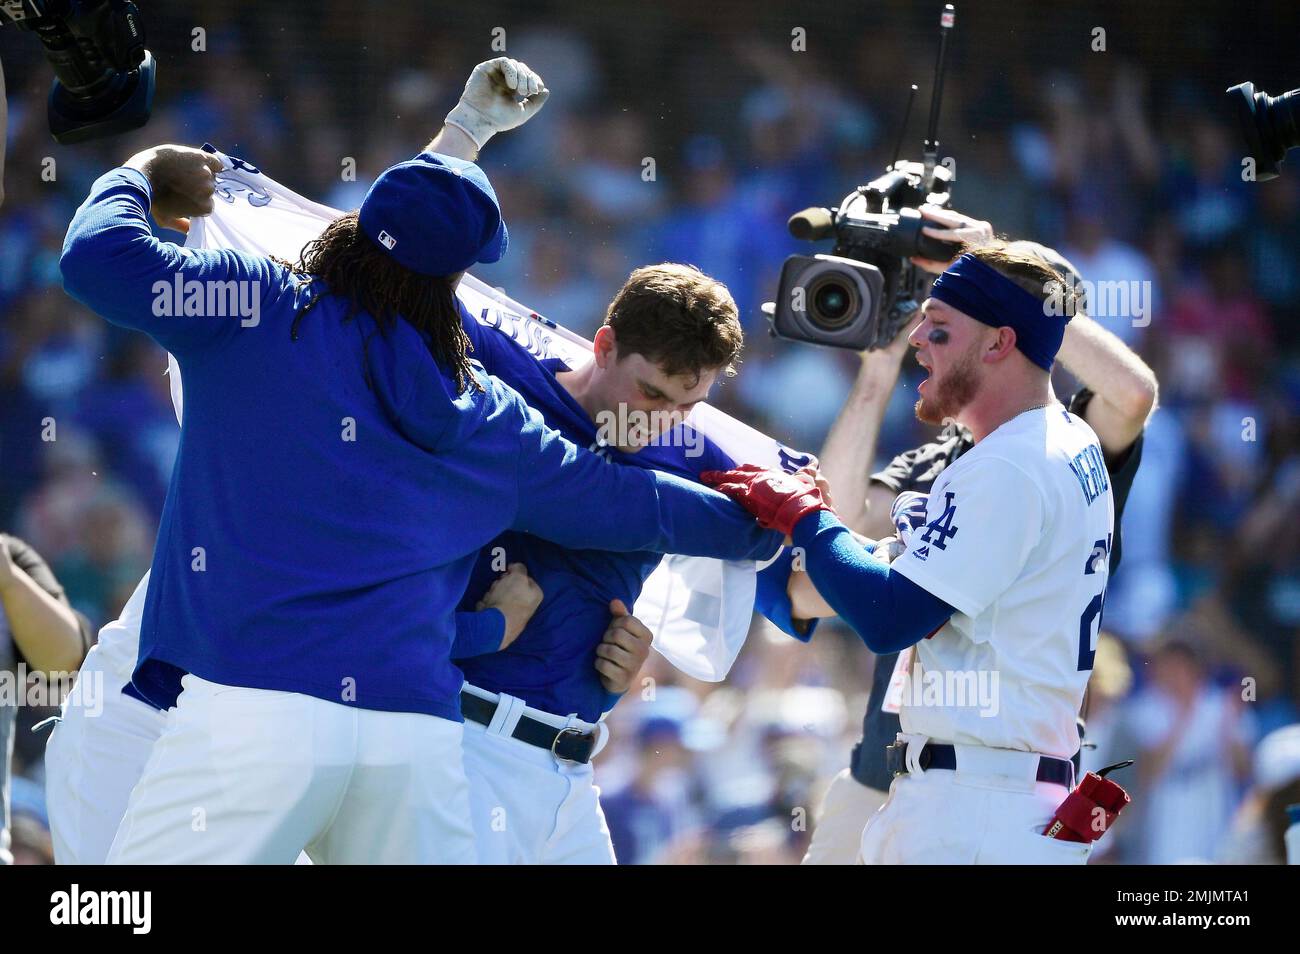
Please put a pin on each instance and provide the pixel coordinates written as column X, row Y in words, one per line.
column 989, row 811
column 846, row 808
column 93, row 759
column 253, row 776
column 528, row 806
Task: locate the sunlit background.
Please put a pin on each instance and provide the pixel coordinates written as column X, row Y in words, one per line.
column 1118, row 157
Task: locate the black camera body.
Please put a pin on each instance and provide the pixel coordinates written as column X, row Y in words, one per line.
column 861, row 295
column 104, row 76
column 1270, row 125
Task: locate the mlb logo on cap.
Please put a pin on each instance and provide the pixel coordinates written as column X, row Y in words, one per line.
column 443, row 209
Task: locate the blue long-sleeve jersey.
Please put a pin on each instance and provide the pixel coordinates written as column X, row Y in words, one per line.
column 327, row 500
column 551, row 665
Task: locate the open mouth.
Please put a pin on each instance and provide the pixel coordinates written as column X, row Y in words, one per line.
column 929, row 373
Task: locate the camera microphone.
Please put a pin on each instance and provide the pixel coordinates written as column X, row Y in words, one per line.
column 812, row 224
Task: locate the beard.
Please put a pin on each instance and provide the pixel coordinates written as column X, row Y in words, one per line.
column 951, row 393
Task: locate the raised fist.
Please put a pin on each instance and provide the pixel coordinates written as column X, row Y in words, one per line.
column 500, row 94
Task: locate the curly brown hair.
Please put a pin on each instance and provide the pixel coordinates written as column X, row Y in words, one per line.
column 348, row 264
column 678, row 318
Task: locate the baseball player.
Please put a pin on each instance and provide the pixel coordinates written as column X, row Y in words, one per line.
column 1000, row 591
column 533, row 709
column 93, row 764
column 1117, row 396
column 300, row 613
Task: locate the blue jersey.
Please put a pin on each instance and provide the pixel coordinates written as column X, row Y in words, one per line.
column 329, row 497
column 551, row 665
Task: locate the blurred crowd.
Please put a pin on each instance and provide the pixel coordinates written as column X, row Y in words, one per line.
column 690, row 133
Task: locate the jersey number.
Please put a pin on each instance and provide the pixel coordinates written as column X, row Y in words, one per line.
column 1090, row 622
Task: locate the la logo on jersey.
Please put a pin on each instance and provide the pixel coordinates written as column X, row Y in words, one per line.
column 386, row 240
column 940, row 530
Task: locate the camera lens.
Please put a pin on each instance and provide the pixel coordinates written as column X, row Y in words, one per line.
column 834, row 301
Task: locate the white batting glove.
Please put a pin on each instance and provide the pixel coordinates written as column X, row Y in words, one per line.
column 908, row 514
column 500, row 94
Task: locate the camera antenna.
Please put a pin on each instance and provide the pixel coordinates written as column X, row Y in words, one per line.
column 931, row 153
column 902, row 130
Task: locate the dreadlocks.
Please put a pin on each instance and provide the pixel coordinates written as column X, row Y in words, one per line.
column 351, row 266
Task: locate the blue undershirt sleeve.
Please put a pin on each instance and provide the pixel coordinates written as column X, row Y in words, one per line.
column 887, row 610
column 478, row 633
column 772, row 598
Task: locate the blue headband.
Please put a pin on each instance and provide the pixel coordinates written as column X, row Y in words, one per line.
column 978, row 290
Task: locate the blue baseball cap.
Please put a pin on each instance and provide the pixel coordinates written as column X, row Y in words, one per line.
column 434, row 215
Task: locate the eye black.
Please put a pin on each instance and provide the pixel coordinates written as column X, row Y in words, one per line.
column 938, row 336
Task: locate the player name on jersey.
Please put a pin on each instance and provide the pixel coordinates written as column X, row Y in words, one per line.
column 1089, row 468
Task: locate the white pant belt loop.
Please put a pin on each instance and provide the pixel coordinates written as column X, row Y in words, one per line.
column 506, row 717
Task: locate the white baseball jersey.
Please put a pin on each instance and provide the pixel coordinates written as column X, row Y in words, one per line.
column 1017, row 539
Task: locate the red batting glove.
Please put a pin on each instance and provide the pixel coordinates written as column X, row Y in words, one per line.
column 776, row 499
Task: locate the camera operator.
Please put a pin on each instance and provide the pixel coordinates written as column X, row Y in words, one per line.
column 1118, row 395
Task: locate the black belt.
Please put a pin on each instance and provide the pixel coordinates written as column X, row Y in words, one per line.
column 570, row 744
column 938, row 755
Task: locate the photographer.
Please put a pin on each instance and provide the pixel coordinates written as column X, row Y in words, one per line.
column 1118, row 394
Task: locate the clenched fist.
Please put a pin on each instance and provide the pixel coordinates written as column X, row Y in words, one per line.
column 500, row 94
column 183, row 181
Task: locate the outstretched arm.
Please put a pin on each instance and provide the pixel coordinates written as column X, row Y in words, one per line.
column 886, row 609
column 849, row 454
column 574, row 498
